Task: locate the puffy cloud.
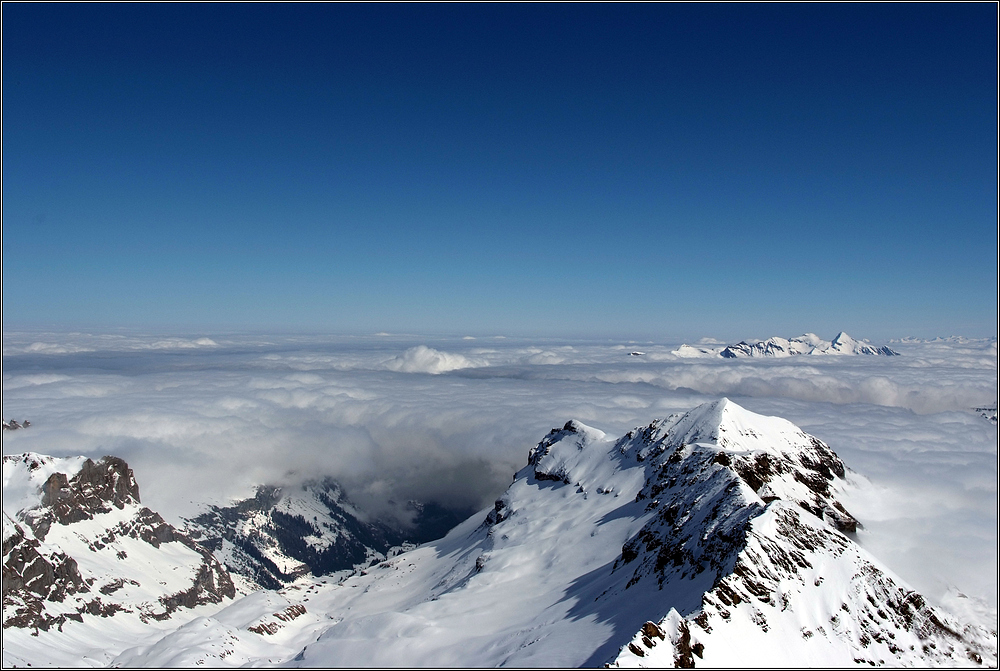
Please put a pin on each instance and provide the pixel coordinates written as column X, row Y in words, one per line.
column 423, row 359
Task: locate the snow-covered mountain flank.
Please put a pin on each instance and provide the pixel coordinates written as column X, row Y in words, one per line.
column 714, row 538
column 808, row 343
column 78, row 544
column 283, row 533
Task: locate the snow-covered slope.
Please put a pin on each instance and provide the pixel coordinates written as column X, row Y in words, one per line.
column 282, row 534
column 808, row 343
column 78, row 547
column 715, row 538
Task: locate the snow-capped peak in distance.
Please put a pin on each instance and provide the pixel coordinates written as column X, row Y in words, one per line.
column 807, row 343
column 718, row 538
column 845, row 344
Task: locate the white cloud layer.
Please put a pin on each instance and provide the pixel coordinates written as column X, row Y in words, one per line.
column 396, row 417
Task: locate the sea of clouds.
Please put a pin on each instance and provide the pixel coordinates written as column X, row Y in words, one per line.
column 394, row 417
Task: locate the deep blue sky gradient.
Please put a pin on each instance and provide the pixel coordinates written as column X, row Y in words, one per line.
column 648, row 171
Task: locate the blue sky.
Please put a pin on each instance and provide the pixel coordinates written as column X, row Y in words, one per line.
column 648, row 171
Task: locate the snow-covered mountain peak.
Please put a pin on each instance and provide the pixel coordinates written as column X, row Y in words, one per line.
column 747, row 525
column 721, row 445
column 735, row 429
column 558, row 454
column 811, row 339
column 845, row 344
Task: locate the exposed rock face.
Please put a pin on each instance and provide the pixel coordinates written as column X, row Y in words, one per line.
column 85, row 513
column 736, row 471
column 29, row 580
column 95, row 489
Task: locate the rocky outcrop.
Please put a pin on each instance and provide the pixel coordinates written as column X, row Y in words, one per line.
column 96, row 488
column 30, row 579
column 988, row 412
column 87, row 514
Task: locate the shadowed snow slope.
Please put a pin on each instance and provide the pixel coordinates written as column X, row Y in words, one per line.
column 714, row 538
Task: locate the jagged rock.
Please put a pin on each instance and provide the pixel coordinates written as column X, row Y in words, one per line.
column 77, row 514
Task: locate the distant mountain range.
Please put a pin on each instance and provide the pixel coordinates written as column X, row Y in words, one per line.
column 714, row 538
column 808, row 343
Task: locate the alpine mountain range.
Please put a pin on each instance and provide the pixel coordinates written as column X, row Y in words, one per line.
column 717, row 537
